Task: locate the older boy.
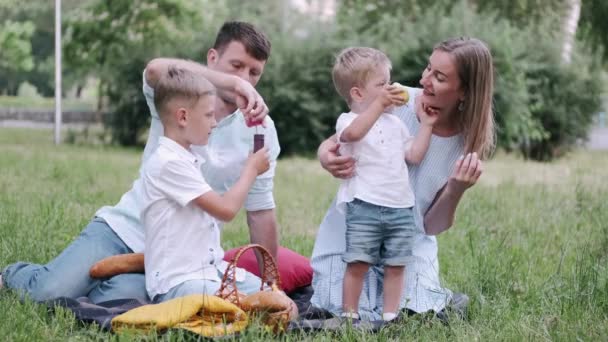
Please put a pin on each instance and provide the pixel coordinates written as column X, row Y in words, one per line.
column 179, row 208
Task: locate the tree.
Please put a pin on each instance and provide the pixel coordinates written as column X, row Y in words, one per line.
column 15, row 52
column 594, row 25
column 113, row 40
column 572, row 14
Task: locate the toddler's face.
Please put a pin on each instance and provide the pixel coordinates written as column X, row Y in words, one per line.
column 379, row 79
column 201, row 121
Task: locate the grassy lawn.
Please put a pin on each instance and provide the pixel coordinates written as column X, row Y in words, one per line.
column 530, row 243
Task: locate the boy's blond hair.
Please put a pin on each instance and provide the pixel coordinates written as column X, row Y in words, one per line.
column 182, row 84
column 354, row 67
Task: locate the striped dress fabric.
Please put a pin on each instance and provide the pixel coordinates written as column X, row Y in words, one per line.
column 423, row 291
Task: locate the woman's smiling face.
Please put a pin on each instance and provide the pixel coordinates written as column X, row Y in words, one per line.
column 441, row 84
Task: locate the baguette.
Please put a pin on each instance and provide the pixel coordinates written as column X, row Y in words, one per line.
column 118, row 264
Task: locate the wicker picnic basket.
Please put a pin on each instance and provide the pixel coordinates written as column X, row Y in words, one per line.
column 274, row 308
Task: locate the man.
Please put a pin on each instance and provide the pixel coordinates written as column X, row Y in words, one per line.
column 240, row 50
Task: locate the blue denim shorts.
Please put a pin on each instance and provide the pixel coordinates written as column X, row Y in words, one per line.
column 377, row 234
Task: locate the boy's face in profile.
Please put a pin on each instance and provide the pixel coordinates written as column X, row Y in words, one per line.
column 380, row 78
column 200, row 120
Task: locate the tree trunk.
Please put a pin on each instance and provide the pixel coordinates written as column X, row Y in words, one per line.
column 571, row 17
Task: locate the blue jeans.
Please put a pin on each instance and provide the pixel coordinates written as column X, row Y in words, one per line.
column 378, row 234
column 68, row 274
column 249, row 285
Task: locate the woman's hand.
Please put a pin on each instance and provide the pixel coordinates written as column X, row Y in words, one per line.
column 339, row 166
column 466, row 172
column 440, row 216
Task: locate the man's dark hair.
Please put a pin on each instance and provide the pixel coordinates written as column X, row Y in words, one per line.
column 255, row 41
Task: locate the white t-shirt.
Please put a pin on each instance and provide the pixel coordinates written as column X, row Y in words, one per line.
column 182, row 240
column 381, row 176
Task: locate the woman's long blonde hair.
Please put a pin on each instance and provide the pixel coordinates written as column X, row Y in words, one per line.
column 476, row 119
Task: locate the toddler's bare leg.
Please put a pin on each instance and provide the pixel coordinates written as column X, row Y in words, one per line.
column 393, row 288
column 352, row 286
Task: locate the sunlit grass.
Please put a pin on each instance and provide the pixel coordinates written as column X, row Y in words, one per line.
column 530, row 243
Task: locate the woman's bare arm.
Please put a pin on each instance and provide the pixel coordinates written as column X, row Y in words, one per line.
column 440, row 215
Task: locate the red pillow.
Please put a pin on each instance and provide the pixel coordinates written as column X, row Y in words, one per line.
column 294, row 269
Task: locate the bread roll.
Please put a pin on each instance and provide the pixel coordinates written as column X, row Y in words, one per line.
column 118, row 264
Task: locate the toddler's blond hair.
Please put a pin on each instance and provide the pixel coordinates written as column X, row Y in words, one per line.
column 354, row 67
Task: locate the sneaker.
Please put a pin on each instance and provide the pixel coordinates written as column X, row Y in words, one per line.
column 458, row 305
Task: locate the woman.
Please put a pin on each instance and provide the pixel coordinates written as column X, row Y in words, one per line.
column 457, row 84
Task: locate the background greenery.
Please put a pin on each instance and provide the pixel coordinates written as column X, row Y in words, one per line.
column 543, row 105
column 530, row 243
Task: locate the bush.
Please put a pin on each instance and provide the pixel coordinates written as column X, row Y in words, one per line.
column 129, row 115
column 542, row 108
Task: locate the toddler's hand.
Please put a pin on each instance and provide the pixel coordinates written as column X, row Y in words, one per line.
column 391, row 95
column 259, row 161
column 426, row 114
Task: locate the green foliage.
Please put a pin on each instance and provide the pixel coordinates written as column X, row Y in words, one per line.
column 566, row 99
column 15, row 50
column 593, row 25
column 536, row 97
column 140, row 30
column 297, row 83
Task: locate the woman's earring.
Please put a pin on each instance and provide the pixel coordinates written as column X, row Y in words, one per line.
column 461, row 106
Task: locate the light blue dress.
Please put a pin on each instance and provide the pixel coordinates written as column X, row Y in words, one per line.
column 423, row 291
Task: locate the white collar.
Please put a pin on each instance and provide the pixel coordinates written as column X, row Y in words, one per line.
column 178, row 149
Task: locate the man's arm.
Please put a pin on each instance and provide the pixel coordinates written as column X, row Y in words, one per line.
column 263, row 230
column 440, row 215
column 240, row 91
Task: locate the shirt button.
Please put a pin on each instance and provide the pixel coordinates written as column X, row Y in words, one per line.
column 210, row 249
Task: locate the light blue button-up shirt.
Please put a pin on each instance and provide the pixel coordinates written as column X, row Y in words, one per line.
column 225, row 154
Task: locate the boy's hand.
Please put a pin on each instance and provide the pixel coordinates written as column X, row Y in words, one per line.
column 391, row 95
column 250, row 102
column 259, row 161
column 426, row 114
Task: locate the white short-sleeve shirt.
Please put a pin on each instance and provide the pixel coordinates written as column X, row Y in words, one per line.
column 381, row 176
column 182, row 241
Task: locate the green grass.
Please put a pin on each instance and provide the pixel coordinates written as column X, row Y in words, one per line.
column 530, row 243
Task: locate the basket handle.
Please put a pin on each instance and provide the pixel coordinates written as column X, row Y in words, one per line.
column 269, row 274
